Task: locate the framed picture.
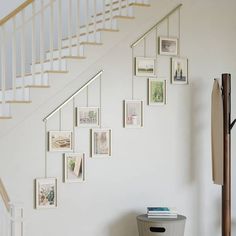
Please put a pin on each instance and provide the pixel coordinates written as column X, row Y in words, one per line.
column 60, row 141
column 46, row 193
column 74, row 167
column 156, row 91
column 168, row 46
column 179, row 70
column 145, row 66
column 87, row 116
column 133, row 113
column 101, row 143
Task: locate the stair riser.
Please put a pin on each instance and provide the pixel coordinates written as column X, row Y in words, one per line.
column 20, row 95
column 66, row 52
column 91, row 38
column 56, row 66
column 37, row 81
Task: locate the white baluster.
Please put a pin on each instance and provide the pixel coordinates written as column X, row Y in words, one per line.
column 3, row 66
column 69, row 27
column 111, row 12
column 87, row 20
column 78, row 27
column 104, row 14
column 23, row 52
column 94, row 19
column 127, row 7
column 33, row 43
column 42, row 40
column 59, row 33
column 22, row 222
column 120, row 7
column 51, row 32
column 14, row 59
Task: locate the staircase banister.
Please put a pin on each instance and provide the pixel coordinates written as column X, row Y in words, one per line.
column 15, row 12
column 4, row 195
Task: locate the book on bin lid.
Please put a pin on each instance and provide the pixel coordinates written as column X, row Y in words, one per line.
column 161, row 210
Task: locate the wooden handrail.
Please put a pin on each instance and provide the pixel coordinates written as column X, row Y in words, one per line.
column 15, row 12
column 4, row 195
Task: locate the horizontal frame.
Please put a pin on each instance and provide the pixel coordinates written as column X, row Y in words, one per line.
column 78, row 124
column 140, row 74
column 173, row 39
column 51, row 149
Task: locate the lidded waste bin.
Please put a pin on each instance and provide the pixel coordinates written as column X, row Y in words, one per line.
column 161, row 226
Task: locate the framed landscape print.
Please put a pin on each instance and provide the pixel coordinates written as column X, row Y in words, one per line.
column 60, row 141
column 101, row 143
column 133, row 113
column 46, row 193
column 87, row 116
column 179, row 70
column 74, row 167
column 156, row 91
column 168, row 46
column 145, row 66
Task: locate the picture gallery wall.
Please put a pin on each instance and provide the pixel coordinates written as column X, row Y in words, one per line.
column 146, row 59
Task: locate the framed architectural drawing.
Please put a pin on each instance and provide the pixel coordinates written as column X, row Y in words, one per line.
column 101, row 142
column 133, row 113
column 156, row 91
column 46, row 193
column 87, row 116
column 74, row 167
column 168, row 46
column 145, row 66
column 179, row 70
column 60, row 141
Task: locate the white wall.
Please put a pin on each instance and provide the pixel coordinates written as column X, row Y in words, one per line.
column 8, row 6
column 168, row 162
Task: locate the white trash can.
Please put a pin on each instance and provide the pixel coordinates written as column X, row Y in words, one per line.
column 161, row 226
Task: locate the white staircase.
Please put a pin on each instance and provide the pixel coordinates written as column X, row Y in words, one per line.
column 11, row 215
column 45, row 40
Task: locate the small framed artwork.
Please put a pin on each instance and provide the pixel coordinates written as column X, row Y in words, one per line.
column 46, row 193
column 60, row 141
column 179, row 70
column 101, row 143
column 87, row 116
column 156, row 91
column 168, row 46
column 145, row 66
column 133, row 113
column 74, row 167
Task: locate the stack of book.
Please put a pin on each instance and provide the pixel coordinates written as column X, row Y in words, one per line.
column 161, row 212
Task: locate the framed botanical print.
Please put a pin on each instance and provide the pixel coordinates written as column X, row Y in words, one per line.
column 101, row 142
column 156, row 91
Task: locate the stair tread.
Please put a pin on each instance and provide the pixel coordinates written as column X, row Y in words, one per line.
column 5, row 117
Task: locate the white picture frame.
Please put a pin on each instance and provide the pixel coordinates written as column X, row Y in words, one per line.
column 101, row 142
column 88, row 117
column 168, row 46
column 45, row 193
column 133, row 114
column 59, row 141
column 74, row 167
column 157, row 91
column 145, row 66
column 179, row 70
